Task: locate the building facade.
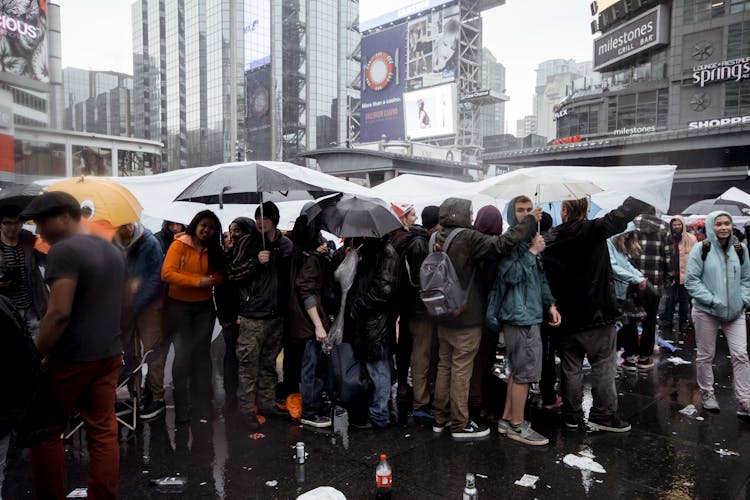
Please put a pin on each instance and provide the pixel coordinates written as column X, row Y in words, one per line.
column 554, row 78
column 99, row 102
column 492, row 116
column 526, row 125
column 674, row 88
column 219, row 80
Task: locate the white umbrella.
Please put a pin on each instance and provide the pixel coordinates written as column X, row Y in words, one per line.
column 543, row 188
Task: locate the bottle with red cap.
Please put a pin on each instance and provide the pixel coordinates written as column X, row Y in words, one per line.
column 383, row 477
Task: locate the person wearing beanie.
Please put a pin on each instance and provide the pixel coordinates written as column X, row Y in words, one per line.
column 431, row 218
column 489, row 221
column 259, row 271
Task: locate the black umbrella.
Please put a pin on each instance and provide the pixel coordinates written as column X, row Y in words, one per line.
column 354, row 216
column 246, row 184
column 705, row 207
column 19, row 195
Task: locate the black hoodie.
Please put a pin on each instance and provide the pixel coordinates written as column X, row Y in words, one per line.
column 578, row 269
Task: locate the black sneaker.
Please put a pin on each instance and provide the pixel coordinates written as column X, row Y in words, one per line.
column 318, row 421
column 572, row 421
column 251, row 421
column 364, row 426
column 153, row 409
column 437, row 427
column 609, row 424
column 471, row 431
column 274, row 411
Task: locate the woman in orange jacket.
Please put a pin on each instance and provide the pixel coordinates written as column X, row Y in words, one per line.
column 192, row 268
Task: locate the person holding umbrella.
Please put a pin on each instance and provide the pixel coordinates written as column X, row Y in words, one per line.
column 260, row 274
column 192, row 268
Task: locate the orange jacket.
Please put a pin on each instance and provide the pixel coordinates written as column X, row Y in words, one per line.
column 183, row 269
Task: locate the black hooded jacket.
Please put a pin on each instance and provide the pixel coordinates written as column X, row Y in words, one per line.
column 411, row 247
column 470, row 249
column 262, row 290
column 578, row 268
column 371, row 300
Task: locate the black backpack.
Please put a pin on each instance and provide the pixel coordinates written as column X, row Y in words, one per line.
column 735, row 243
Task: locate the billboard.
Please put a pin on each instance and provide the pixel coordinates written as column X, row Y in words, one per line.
column 431, row 112
column 649, row 30
column 383, row 68
column 432, row 49
column 374, row 13
column 23, row 43
column 257, row 29
column 258, row 113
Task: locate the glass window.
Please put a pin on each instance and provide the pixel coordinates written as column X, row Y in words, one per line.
column 703, row 10
column 738, row 40
column 92, row 161
column 39, row 158
column 737, row 98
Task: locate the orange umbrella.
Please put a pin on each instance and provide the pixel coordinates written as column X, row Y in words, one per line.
column 102, row 199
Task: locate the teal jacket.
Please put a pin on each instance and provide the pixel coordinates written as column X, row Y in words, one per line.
column 524, row 289
column 720, row 286
column 623, row 271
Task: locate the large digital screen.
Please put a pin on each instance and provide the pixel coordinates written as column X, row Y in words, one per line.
column 383, row 71
column 374, row 13
column 432, row 49
column 257, row 29
column 23, row 42
column 258, row 118
column 431, row 112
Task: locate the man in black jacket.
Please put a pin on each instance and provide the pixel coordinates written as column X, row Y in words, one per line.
column 459, row 337
column 260, row 270
column 580, row 277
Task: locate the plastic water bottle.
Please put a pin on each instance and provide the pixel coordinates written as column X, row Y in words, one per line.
column 470, row 490
column 383, row 477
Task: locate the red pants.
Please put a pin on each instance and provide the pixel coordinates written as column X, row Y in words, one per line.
column 89, row 388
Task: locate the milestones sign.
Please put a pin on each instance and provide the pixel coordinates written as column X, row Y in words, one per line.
column 649, row 30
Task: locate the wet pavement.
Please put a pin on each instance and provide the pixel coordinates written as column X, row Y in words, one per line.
column 668, row 454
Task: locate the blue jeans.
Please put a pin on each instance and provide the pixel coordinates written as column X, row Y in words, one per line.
column 380, row 374
column 314, row 379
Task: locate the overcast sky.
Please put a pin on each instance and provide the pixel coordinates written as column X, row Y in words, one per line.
column 96, row 34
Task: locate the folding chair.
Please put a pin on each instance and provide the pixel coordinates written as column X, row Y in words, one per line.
column 134, row 375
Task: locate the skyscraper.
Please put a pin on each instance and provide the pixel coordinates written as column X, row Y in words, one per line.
column 492, row 117
column 553, row 77
column 215, row 80
column 97, row 102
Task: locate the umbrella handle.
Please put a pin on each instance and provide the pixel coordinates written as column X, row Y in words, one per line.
column 262, row 217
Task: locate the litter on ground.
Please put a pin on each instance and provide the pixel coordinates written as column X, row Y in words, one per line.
column 272, row 484
column 689, row 410
column 528, row 481
column 583, row 463
column 79, row 493
column 676, row 360
column 727, row 453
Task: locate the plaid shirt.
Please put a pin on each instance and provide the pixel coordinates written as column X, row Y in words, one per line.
column 655, row 261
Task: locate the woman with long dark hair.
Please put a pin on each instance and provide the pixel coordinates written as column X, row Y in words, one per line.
column 309, row 321
column 192, row 267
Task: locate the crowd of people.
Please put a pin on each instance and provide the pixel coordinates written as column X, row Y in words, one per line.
column 576, row 293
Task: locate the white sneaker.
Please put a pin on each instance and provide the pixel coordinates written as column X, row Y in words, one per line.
column 709, row 402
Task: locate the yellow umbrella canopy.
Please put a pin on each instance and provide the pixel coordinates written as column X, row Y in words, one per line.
column 102, row 199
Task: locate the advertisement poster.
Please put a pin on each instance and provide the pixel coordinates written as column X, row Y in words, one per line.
column 23, row 42
column 257, row 30
column 432, row 49
column 431, row 112
column 374, row 13
column 383, row 67
column 258, row 119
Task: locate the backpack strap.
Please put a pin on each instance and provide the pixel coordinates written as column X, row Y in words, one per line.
column 735, row 243
column 450, row 237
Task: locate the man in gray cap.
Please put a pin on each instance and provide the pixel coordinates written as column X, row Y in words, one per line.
column 80, row 341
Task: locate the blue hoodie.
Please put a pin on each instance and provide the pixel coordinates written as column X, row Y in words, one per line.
column 623, row 271
column 720, row 286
